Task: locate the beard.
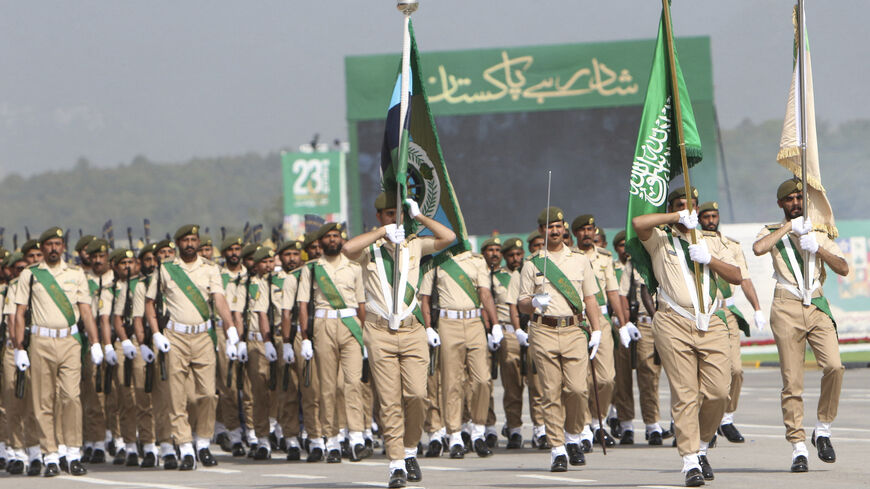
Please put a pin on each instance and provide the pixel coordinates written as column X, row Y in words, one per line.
column 331, row 250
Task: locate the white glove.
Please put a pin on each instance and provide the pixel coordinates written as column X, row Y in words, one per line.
column 627, row 333
column 594, row 341
column 522, row 337
column 433, row 337
column 497, row 334
column 801, row 226
column 242, row 348
column 161, row 343
column 541, row 301
column 307, row 350
column 413, row 208
column 490, row 344
column 147, row 354
column 110, row 356
column 22, row 361
column 700, row 253
column 288, row 353
column 395, row 233
column 232, row 336
column 271, row 354
column 232, row 352
column 687, row 219
column 760, row 320
column 365, row 353
column 809, row 243
column 96, row 354
column 129, row 349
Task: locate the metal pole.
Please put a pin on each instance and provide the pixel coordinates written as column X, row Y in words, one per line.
column 547, row 227
column 802, row 73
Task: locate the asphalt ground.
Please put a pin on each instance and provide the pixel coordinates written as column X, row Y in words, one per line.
column 761, row 462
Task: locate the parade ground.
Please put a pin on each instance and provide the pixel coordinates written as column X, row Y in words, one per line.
column 761, row 462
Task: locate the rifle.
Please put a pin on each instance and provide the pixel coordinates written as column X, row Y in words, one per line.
column 230, row 363
column 273, row 365
column 128, row 328
column 20, row 375
column 595, row 391
column 493, row 357
column 110, row 369
column 524, row 350
column 434, row 316
column 294, row 325
column 240, row 366
column 309, row 329
column 98, row 380
column 633, row 312
column 162, row 320
column 3, row 328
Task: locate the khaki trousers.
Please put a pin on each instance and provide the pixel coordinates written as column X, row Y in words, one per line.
column 699, row 371
column 126, row 400
column 56, row 367
column 228, row 396
column 463, row 346
column 142, row 402
column 92, row 402
column 192, row 358
column 648, row 374
column 160, row 401
column 338, row 352
column 793, row 326
column 533, row 381
column 511, row 380
column 562, row 360
column 113, row 403
column 736, row 363
column 310, row 394
column 605, row 375
column 433, row 421
column 399, row 362
column 288, row 401
column 20, row 419
column 257, row 370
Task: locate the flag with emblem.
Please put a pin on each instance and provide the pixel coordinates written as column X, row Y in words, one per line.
column 657, row 154
column 313, row 222
column 413, row 160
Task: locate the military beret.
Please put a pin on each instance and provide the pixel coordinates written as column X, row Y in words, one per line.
column 98, row 245
column 262, row 252
column 327, row 228
column 291, row 244
column 50, row 233
column 493, row 241
column 83, row 241
column 149, row 248
column 229, row 241
column 385, row 201
column 307, row 239
column 620, row 236
column 249, row 249
column 580, row 221
column 205, row 241
column 708, row 206
column 117, row 255
column 533, row 236
column 511, row 244
column 680, row 193
column 13, row 258
column 30, row 244
column 789, row 187
column 163, row 243
column 549, row 215
column 599, row 231
column 185, row 230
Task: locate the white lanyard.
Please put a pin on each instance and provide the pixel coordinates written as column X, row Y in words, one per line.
column 702, row 321
column 805, row 295
column 404, row 258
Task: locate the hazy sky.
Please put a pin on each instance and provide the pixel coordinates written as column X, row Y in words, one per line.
column 109, row 80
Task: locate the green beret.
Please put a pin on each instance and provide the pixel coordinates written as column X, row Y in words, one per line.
column 83, row 241
column 533, row 236
column 163, row 243
column 205, row 241
column 261, row 253
column 98, row 245
column 580, row 221
column 117, row 255
column 493, row 241
column 789, row 187
column 620, row 236
column 30, row 244
column 13, row 258
column 149, row 248
column 49, row 233
column 290, row 244
column 511, row 244
column 307, row 239
column 316, row 235
column 185, row 230
column 708, row 206
column 549, row 215
column 680, row 193
column 249, row 250
column 229, row 241
column 385, row 201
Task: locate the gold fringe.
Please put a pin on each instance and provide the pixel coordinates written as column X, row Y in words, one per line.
column 786, row 156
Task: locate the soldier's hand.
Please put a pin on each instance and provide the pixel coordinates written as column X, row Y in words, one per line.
column 232, row 335
column 232, row 352
column 700, row 253
column 22, row 360
column 690, row 220
column 111, row 357
column 594, row 342
column 413, row 208
column 147, row 353
column 307, row 350
column 96, row 354
column 809, row 243
column 288, row 353
column 129, row 349
column 432, row 337
column 628, row 333
column 243, row 351
column 271, row 354
column 497, row 335
column 541, row 301
column 760, row 320
column 801, row 226
column 522, row 337
column 161, row 343
column 394, row 233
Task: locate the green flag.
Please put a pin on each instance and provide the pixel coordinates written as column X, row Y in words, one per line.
column 657, row 155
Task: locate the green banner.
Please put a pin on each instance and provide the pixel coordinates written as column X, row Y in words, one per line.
column 314, row 183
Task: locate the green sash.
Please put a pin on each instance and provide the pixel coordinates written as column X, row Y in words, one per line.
column 725, row 288
column 618, row 272
column 225, row 280
column 333, row 296
column 560, row 282
column 821, row 302
column 504, row 278
column 93, row 287
column 58, row 296
column 691, row 265
column 409, row 289
column 277, row 281
column 462, row 279
column 180, row 277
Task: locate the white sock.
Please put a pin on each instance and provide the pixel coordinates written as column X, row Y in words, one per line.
column 108, row 436
column 514, row 431
column 556, row 451
column 166, row 449
column 201, row 442
column 374, row 426
column 356, row 438
column 279, row 431
column 100, row 445
column 150, row 448
column 73, row 453
column 367, row 434
column 3, row 450
column 51, row 458
column 410, row 452
column 219, row 428
column 690, row 462
column 131, row 448
column 727, row 418
column 799, row 448
column 611, row 413
column 235, row 436
column 186, row 449
column 456, row 438
column 653, row 427
column 292, row 442
column 333, row 443
column 571, row 438
column 119, row 442
column 539, row 431
column 823, row 429
column 33, row 453
column 704, row 446
column 251, row 436
column 396, row 464
column 626, row 425
column 264, row 442
column 586, row 434
column 491, row 430
column 317, row 442
column 89, row 444
column 61, row 450
column 478, row 431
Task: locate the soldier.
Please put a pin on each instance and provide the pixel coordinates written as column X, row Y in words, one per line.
column 206, row 248
column 290, row 255
column 557, row 336
column 54, row 295
column 396, row 343
column 185, row 282
column 708, row 218
column 691, row 341
column 799, row 316
column 535, row 242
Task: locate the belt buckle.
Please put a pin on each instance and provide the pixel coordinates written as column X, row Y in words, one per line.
column 562, row 322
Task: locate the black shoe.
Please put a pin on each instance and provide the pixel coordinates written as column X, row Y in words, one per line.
column 491, row 442
column 560, row 464
column 359, row 452
column 398, row 479
column 252, row 449
column 35, row 468
column 824, row 448
column 333, row 456
column 706, row 470
column 585, row 446
column 457, row 451
column 731, row 433
column 799, row 464
column 149, row 461
column 2, row 463
column 370, row 444
column 608, row 440
column 694, row 478
column 345, row 449
column 51, row 470
column 98, row 457
column 668, row 432
column 76, row 468
column 132, row 460
column 627, row 438
column 412, row 468
column 575, row 454
column 315, row 455
column 112, row 448
column 187, row 463
column 515, row 441
column 294, row 454
column 615, row 427
column 238, row 449
column 655, row 438
column 206, row 458
column 86, row 457
column 482, row 448
column 282, row 444
column 262, row 453
column 712, row 443
column 64, row 464
column 273, row 441
column 15, row 467
column 120, row 457
column 466, row 440
column 435, row 449
column 223, row 439
column 420, row 448
column 170, row 462
column 543, row 443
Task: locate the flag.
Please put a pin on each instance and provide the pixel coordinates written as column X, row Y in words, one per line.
column 657, row 154
column 109, row 233
column 789, row 155
column 416, row 163
column 313, row 222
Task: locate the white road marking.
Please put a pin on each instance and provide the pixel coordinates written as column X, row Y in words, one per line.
column 554, row 478
column 381, row 484
column 368, row 464
column 434, row 467
column 219, row 471
column 834, row 439
column 295, row 476
column 106, row 482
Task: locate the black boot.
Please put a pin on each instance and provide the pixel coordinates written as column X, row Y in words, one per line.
column 315, row 455
column 170, row 462
column 262, row 453
column 149, row 461
column 655, row 438
column 223, row 439
column 15, row 467
column 694, row 478
column 412, row 468
column 491, row 442
column 333, row 457
column 627, row 438
column 238, row 449
column 608, row 440
column 799, row 464
column 457, row 451
column 575, row 454
column 560, row 464
column 293, row 453
column 515, row 441
column 35, row 468
column 824, row 448
column 132, row 460
column 64, row 464
column 731, row 433
column 76, row 468
column 120, row 457
column 435, row 449
column 51, row 470
column 98, row 457
column 206, row 458
column 187, row 463
column 398, row 478
column 359, row 452
column 706, row 470
column 482, row 448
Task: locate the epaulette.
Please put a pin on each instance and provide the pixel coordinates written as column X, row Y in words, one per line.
column 710, row 234
column 575, row 249
column 774, row 227
column 208, row 261
column 603, row 251
column 730, row 239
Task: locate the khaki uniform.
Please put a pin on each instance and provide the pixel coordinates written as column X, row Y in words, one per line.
column 93, row 402
column 560, row 351
column 696, row 362
column 536, row 399
column 509, row 351
column 794, row 325
column 257, row 368
column 228, row 399
column 310, row 394
column 399, row 358
column 20, row 420
column 732, row 248
column 160, row 389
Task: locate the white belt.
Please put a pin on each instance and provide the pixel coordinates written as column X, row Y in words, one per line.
column 189, row 328
column 702, row 322
column 450, row 314
column 335, row 313
column 54, row 332
column 508, row 328
column 252, row 336
column 603, row 310
column 782, row 282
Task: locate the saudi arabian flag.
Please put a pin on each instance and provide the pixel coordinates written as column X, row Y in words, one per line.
column 657, row 155
column 415, row 161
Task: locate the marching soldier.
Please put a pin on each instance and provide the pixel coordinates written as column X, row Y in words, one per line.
column 535, row 242
column 799, row 316
column 206, row 248
column 290, row 255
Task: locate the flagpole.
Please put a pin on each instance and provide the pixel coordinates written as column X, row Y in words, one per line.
column 675, row 89
column 802, row 73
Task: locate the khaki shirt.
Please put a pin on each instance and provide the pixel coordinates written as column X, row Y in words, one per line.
column 500, row 295
column 121, row 298
column 779, row 263
column 235, row 290
column 9, row 305
column 602, row 265
column 346, row 275
column 203, row 273
column 628, row 270
column 139, row 296
column 101, row 301
column 450, row 294
column 416, row 246
column 45, row 313
column 277, row 294
column 574, row 265
column 513, row 291
column 258, row 302
column 289, row 290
